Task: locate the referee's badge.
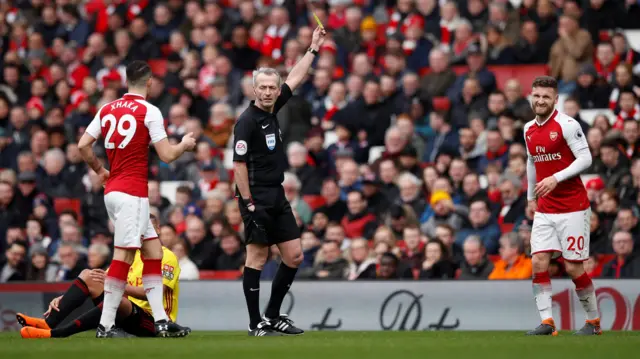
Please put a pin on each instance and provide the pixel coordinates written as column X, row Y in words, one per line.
column 271, row 141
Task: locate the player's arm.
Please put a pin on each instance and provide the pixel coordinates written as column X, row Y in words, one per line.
column 85, row 146
column 135, row 292
column 166, row 151
column 241, row 147
column 531, row 177
column 577, row 142
column 300, row 70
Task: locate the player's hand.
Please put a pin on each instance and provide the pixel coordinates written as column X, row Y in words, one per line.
column 53, row 305
column 532, row 207
column 319, row 34
column 189, row 142
column 104, row 176
column 545, row 186
column 98, row 275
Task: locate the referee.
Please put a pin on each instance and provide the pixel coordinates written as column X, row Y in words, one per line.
column 259, row 165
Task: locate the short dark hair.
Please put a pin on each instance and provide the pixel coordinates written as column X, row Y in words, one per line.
column 70, row 212
column 138, row 73
column 545, row 81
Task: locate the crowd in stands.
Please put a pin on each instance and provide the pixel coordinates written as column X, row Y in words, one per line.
column 445, row 198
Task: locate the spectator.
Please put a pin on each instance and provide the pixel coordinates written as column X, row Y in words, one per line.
column 482, row 225
column 440, row 78
column 188, row 270
column 573, row 49
column 514, row 200
column 358, row 217
column 414, row 248
column 437, row 264
column 39, row 267
column 592, row 90
column 497, row 152
column 627, row 221
column 70, row 264
column 410, row 193
column 94, row 212
column 513, row 263
column 444, row 136
column 531, row 48
column 98, row 256
column 626, row 264
column 309, row 176
column 231, row 255
column 444, row 211
column 499, row 51
column 73, row 27
column 390, row 268
column 361, row 264
column 12, row 267
column 332, row 266
column 202, row 250
column 615, row 170
column 475, row 265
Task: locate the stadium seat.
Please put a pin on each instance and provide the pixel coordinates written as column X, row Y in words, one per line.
column 330, row 138
column 506, row 227
column 228, row 158
column 460, row 69
column 589, row 115
column 158, row 66
column 314, row 201
column 220, row 274
column 633, row 37
column 375, row 153
column 525, row 74
column 62, row 204
column 168, row 189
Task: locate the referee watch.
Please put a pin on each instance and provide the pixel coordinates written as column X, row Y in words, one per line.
column 314, row 52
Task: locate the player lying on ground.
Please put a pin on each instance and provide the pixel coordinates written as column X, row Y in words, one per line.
column 134, row 313
column 128, row 125
column 557, row 153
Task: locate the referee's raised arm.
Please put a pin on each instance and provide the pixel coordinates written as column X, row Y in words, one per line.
column 300, row 70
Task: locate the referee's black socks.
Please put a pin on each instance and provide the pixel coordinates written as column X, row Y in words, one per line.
column 279, row 288
column 251, row 286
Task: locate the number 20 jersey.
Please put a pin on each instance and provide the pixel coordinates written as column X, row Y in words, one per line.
column 127, row 125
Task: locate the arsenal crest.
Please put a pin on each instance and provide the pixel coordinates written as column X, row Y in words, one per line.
column 553, row 136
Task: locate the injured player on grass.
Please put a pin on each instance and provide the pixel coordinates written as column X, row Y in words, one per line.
column 133, row 317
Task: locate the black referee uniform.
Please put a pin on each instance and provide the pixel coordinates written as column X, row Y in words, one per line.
column 258, row 143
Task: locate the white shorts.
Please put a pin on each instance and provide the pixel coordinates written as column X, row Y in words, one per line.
column 566, row 233
column 130, row 217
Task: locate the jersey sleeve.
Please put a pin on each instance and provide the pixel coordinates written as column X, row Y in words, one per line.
column 285, row 95
column 242, row 139
column 572, row 132
column 95, row 129
column 531, row 171
column 155, row 123
column 170, row 270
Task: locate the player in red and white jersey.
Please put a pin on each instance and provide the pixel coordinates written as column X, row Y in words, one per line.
column 128, row 125
column 557, row 153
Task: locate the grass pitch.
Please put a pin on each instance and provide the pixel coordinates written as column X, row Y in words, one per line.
column 330, row 345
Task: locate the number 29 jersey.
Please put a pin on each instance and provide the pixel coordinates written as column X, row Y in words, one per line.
column 128, row 125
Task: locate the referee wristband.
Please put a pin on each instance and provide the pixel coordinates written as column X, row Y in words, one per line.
column 249, row 202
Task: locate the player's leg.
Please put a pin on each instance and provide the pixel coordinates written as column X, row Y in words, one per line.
column 151, row 255
column 81, row 288
column 287, row 235
column 575, row 231
column 544, row 242
column 87, row 321
column 124, row 210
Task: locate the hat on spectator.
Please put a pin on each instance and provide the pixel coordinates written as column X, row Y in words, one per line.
column 40, row 200
column 368, row 23
column 315, row 132
column 329, row 46
column 588, row 69
column 26, row 177
column 409, row 151
column 396, row 211
column 595, row 183
column 439, row 196
column 112, row 75
column 35, row 102
column 192, row 209
column 77, row 97
column 415, row 20
column 174, row 57
column 209, row 167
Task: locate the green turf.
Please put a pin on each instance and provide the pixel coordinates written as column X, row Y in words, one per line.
column 331, row 345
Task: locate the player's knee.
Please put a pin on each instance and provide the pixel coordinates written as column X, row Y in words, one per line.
column 151, row 249
column 256, row 257
column 540, row 262
column 294, row 260
column 574, row 269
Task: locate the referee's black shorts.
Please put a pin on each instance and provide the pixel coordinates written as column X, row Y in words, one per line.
column 281, row 226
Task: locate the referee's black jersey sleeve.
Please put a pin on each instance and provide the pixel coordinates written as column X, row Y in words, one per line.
column 242, row 139
column 285, row 95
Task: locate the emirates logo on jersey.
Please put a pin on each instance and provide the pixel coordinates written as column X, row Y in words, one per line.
column 553, row 135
